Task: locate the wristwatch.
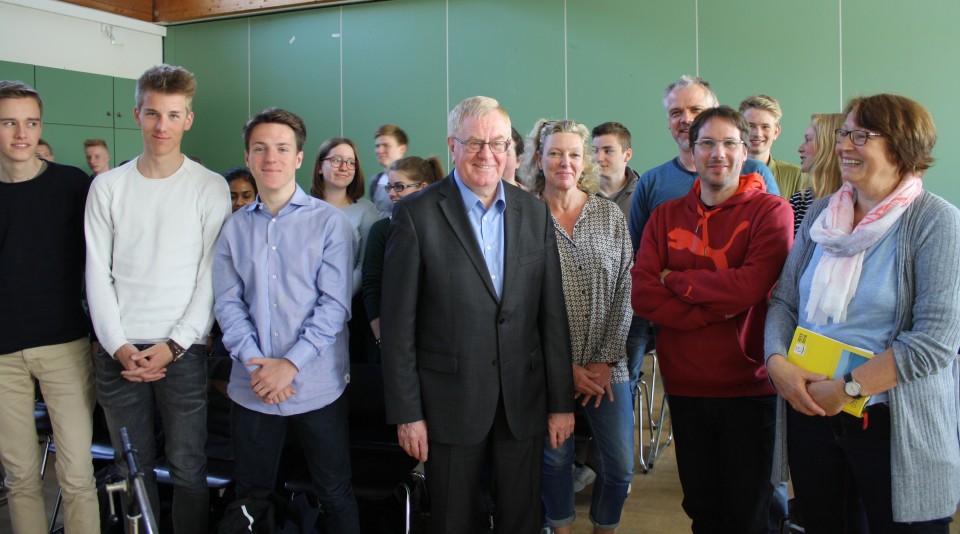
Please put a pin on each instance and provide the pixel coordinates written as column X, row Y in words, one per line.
column 175, row 349
column 850, row 386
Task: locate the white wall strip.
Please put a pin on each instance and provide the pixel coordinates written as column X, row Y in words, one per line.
column 341, row 72
column 566, row 87
column 696, row 34
column 446, row 52
column 840, row 33
column 249, row 71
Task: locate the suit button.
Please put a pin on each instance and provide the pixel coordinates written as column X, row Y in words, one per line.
column 495, row 362
column 502, row 320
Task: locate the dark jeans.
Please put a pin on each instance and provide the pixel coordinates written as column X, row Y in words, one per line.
column 181, row 400
column 725, row 460
column 841, row 474
column 258, row 440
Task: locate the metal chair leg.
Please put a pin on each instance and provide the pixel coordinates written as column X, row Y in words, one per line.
column 656, row 443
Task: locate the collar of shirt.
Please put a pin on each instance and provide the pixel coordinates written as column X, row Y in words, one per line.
column 470, row 199
column 299, row 198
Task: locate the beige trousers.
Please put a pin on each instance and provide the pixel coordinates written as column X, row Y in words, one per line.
column 65, row 373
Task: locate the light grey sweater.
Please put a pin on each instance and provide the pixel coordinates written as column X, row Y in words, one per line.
column 924, row 406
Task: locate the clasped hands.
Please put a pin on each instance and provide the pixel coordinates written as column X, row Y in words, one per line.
column 808, row 393
column 272, row 380
column 147, row 365
column 592, row 381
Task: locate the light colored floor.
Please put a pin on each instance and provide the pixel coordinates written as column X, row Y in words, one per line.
column 653, row 506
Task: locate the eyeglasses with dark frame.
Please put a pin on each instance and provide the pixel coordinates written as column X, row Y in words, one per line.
column 399, row 188
column 473, row 146
column 858, row 137
column 710, row 144
column 337, row 162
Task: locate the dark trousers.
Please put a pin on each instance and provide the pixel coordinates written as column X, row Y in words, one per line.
column 841, row 474
column 181, row 400
column 725, row 460
column 258, row 440
column 454, row 482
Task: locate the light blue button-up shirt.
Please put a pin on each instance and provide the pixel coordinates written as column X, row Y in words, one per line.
column 487, row 225
column 282, row 286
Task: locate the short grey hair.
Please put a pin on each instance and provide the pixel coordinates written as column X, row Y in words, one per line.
column 687, row 81
column 475, row 106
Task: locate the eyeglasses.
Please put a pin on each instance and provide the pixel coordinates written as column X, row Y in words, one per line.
column 710, row 144
column 859, row 137
column 399, row 188
column 337, row 162
column 497, row 147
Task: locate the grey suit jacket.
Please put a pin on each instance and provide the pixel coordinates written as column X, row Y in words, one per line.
column 451, row 348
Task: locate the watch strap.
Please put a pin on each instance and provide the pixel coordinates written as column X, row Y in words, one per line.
column 175, row 349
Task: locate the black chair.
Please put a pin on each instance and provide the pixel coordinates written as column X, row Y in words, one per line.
column 379, row 466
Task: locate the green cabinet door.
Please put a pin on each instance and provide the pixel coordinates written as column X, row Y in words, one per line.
column 67, row 142
column 16, row 71
column 75, row 98
column 127, row 145
column 123, row 103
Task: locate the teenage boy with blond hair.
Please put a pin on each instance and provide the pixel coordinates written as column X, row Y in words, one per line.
column 151, row 227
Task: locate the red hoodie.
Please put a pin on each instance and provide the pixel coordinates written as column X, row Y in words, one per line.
column 711, row 308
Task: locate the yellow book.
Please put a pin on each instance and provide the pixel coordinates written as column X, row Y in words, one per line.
column 827, row 356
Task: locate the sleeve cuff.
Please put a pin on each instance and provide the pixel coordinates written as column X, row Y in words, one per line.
column 301, row 354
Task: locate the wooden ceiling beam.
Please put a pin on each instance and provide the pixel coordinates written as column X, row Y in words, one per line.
column 180, row 11
column 176, row 11
column 135, row 9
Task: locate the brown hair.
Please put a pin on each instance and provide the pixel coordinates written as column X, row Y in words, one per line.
column 355, row 189
column 614, row 128
column 726, row 113
column 168, row 80
column 428, row 170
column 18, row 89
column 906, row 126
column 276, row 116
column 393, row 131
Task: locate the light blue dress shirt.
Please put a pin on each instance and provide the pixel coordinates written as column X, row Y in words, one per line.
column 282, row 286
column 487, row 225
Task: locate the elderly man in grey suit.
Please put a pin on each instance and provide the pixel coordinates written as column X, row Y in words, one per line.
column 476, row 352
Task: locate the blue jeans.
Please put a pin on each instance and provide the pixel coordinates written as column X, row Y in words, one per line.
column 841, row 474
column 724, row 452
column 181, row 400
column 258, row 440
column 612, row 426
column 639, row 342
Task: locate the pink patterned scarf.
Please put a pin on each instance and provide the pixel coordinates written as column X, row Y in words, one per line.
column 844, row 247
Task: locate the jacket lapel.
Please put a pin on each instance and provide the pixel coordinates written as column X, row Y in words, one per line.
column 511, row 238
column 456, row 214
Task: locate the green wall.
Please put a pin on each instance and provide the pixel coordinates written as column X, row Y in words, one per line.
column 347, row 70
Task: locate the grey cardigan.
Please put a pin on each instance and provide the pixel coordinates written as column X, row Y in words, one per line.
column 924, row 406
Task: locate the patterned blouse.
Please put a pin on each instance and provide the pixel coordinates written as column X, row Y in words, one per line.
column 595, row 265
column 800, row 201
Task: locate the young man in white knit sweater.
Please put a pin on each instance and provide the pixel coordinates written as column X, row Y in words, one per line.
column 151, row 226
